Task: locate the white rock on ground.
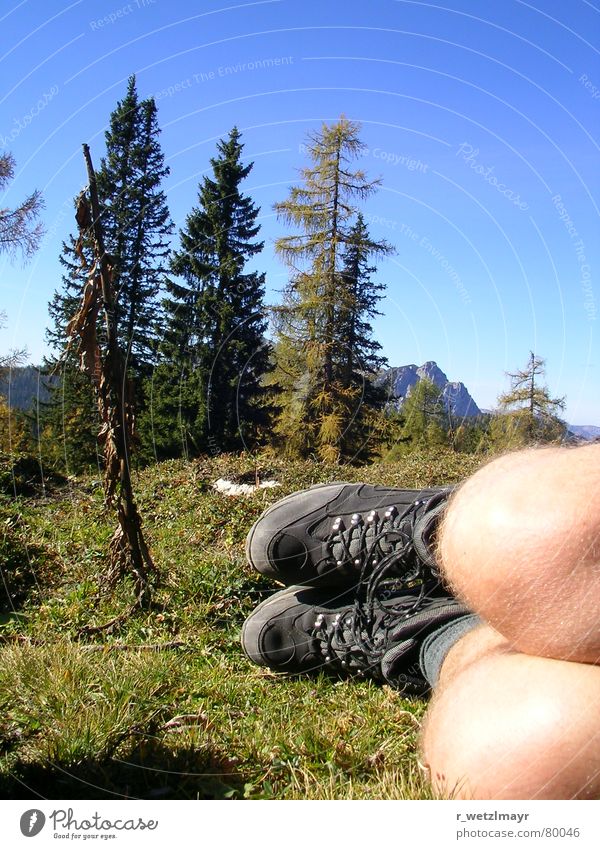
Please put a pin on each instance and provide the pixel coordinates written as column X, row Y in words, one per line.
column 230, row 488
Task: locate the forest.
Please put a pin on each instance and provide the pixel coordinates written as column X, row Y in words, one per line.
column 210, row 367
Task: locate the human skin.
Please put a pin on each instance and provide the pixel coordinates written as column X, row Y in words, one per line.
column 515, row 712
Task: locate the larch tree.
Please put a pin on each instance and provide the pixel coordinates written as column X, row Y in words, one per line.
column 531, row 414
column 325, row 351
column 13, row 433
column 20, row 234
column 20, row 228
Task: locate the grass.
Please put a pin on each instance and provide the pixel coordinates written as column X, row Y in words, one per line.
column 83, row 718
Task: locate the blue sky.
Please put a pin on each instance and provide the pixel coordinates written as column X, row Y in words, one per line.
column 480, row 118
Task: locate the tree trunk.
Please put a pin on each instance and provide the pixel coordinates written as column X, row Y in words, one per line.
column 128, row 549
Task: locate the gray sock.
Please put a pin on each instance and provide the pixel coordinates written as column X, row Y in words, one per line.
column 437, row 645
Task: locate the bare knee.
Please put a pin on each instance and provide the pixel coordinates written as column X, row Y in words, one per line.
column 516, row 727
column 521, row 544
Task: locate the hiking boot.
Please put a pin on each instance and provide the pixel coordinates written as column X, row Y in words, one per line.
column 335, row 535
column 305, row 630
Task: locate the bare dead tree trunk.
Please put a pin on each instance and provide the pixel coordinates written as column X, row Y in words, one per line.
column 129, row 553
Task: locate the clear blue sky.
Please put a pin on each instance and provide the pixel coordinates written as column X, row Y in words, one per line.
column 480, row 118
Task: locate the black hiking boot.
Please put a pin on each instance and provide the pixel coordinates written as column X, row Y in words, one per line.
column 335, row 535
column 377, row 633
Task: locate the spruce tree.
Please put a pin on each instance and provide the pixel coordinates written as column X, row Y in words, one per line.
column 358, row 306
column 325, row 350
column 136, row 221
column 214, row 350
column 425, row 416
column 137, row 226
column 358, row 357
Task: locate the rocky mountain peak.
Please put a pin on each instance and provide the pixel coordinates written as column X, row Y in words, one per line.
column 455, row 394
column 431, row 371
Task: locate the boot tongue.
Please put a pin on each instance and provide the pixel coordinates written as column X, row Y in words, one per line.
column 426, row 527
column 399, row 672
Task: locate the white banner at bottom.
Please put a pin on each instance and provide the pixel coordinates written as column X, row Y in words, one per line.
column 296, row 825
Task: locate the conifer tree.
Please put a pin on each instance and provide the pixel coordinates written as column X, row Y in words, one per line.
column 359, row 298
column 20, row 231
column 358, row 353
column 68, row 421
column 425, row 416
column 214, row 350
column 325, row 351
column 529, row 413
column 13, row 434
column 137, row 224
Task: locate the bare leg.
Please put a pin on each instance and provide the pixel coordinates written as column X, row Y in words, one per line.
column 521, row 545
column 506, row 725
column 513, row 715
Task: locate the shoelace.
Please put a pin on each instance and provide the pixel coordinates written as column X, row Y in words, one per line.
column 358, row 638
column 370, row 541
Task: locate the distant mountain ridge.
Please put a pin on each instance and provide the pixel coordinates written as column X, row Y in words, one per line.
column 455, row 395
column 27, row 384
column 400, row 380
column 589, row 432
column 22, row 385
